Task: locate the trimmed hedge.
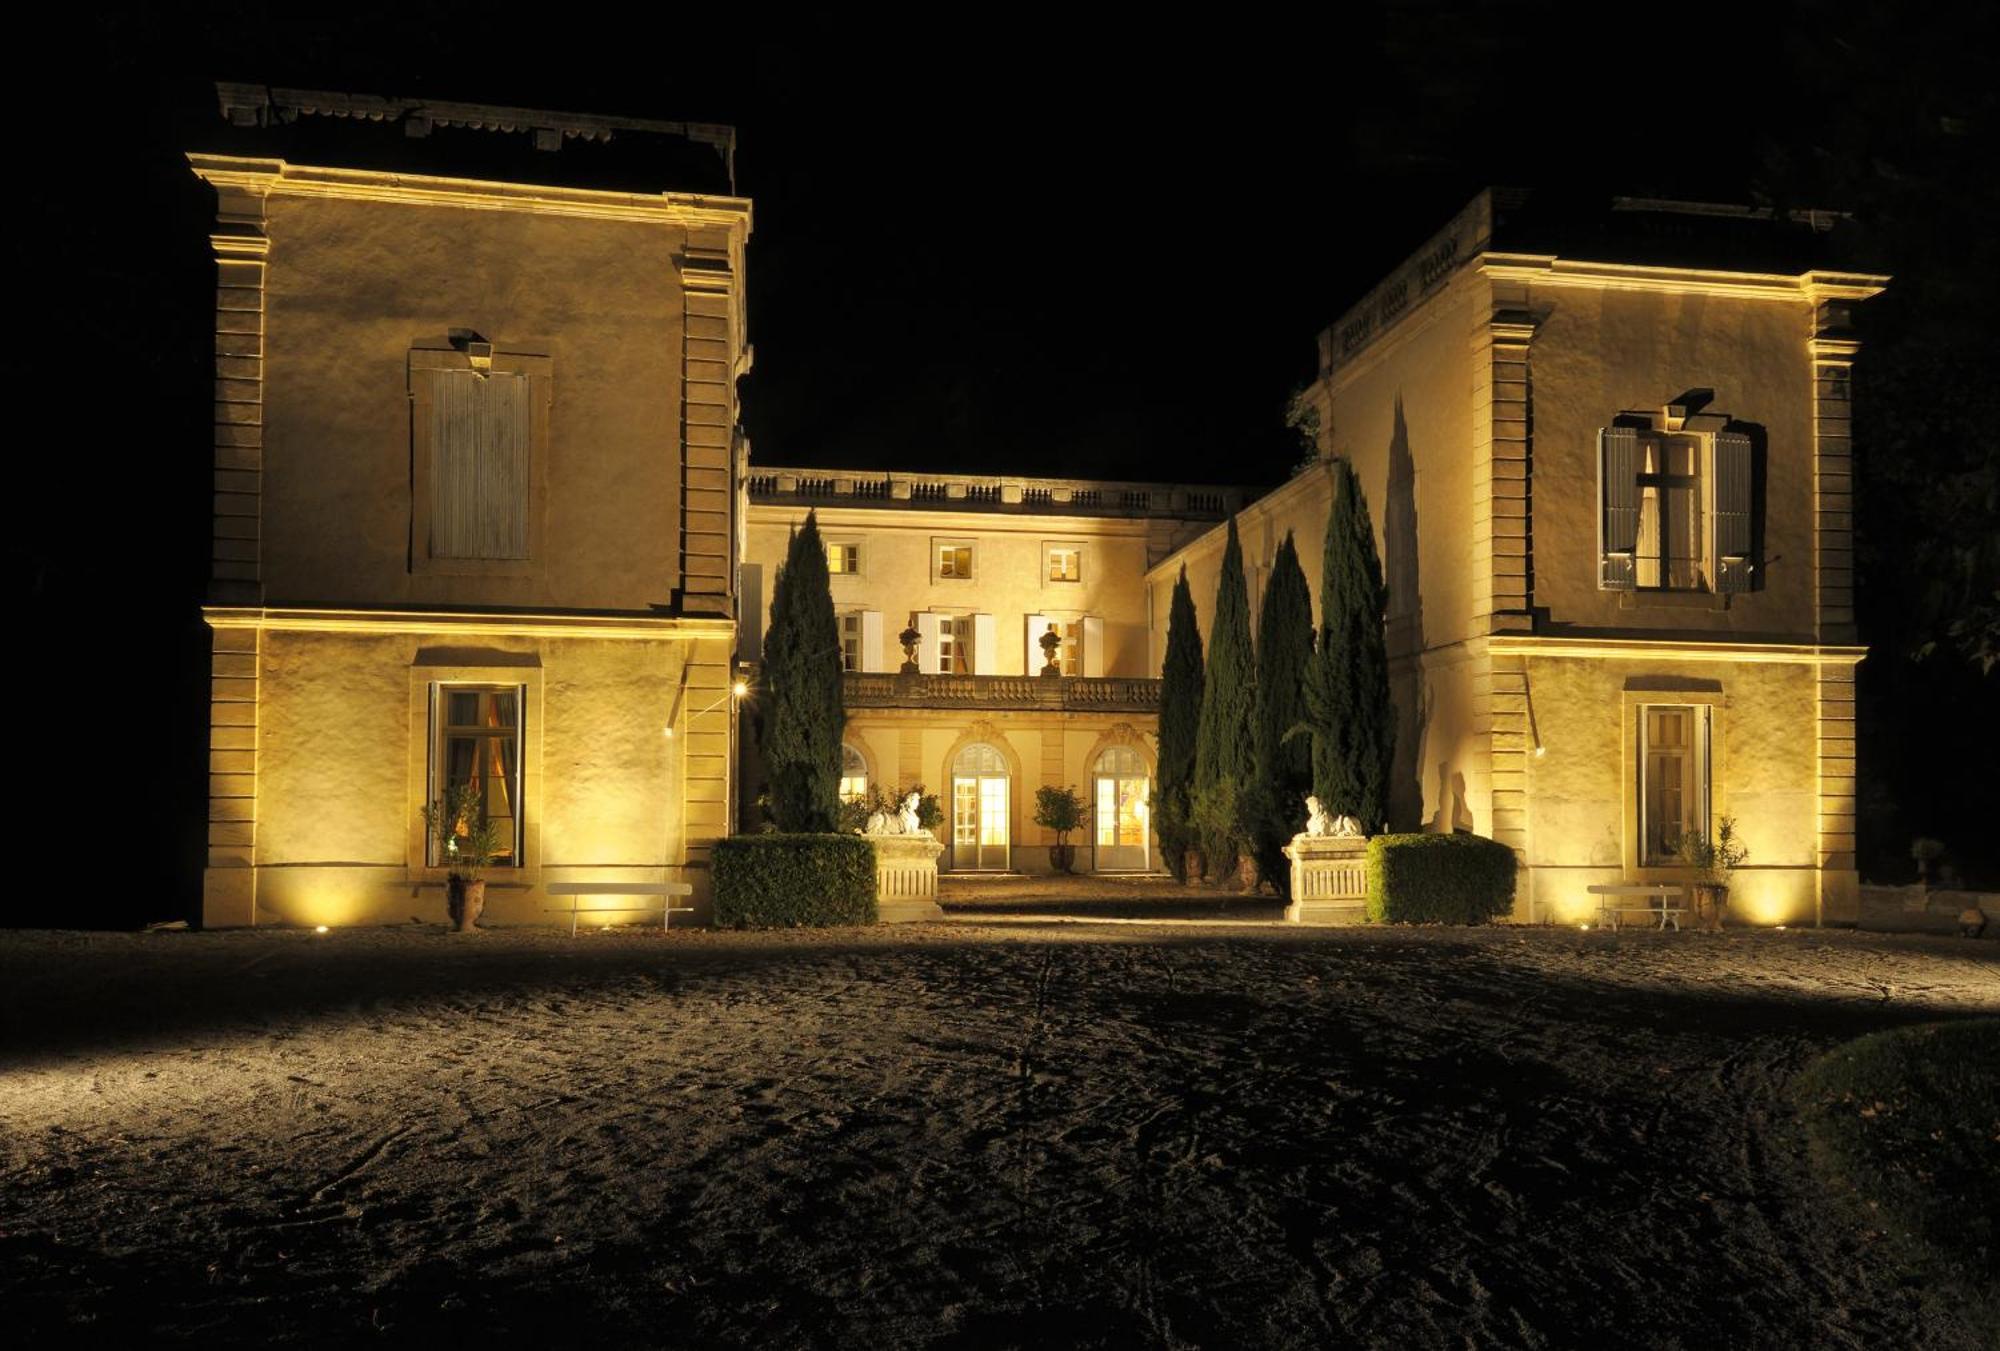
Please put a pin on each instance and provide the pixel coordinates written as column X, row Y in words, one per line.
column 777, row 881
column 1438, row 879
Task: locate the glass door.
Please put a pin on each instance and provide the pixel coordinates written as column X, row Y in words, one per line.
column 980, row 802
column 1121, row 800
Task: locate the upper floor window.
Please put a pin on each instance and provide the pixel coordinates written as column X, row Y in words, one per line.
column 843, row 556
column 851, row 625
column 1675, row 511
column 955, row 643
column 952, row 560
column 479, row 432
column 1063, row 562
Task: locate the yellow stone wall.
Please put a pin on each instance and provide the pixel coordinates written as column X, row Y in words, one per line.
column 1598, row 352
column 352, row 285
column 1009, row 582
column 1583, row 825
column 343, row 741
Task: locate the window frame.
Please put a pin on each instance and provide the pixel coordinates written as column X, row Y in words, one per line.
column 1702, row 749
column 846, row 542
column 432, row 671
column 427, row 360
column 940, row 543
column 1049, row 549
column 860, row 636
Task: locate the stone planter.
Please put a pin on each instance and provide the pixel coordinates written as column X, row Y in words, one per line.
column 1711, row 903
column 1329, row 879
column 906, row 877
column 463, row 902
column 1062, row 857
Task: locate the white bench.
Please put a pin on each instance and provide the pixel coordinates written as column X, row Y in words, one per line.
column 666, row 891
column 1665, row 900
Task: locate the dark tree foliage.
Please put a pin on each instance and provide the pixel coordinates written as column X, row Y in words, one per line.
column 1349, row 710
column 803, row 713
column 1224, row 757
column 1283, row 769
column 1180, row 722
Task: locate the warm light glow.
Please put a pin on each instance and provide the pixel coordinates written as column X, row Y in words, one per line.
column 320, row 930
column 1584, row 927
column 1540, row 751
column 740, row 688
column 666, row 731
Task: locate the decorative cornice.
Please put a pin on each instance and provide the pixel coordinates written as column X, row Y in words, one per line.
column 281, row 178
column 523, row 624
column 1550, row 270
column 1675, row 649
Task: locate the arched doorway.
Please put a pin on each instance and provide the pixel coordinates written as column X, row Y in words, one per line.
column 979, row 809
column 853, row 775
column 1121, row 794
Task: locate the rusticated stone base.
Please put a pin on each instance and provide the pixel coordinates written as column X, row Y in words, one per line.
column 1329, row 879
column 906, row 884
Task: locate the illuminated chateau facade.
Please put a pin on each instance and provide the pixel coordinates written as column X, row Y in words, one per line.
column 1607, row 456
column 483, row 516
column 475, row 519
column 975, row 571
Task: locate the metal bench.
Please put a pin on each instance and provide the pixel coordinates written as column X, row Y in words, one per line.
column 666, row 891
column 1653, row 898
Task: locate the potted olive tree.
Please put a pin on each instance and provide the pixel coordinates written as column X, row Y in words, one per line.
column 466, row 843
column 1713, row 859
column 1060, row 810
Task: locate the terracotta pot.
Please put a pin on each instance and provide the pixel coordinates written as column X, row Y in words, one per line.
column 1711, row 902
column 1194, row 868
column 1062, row 857
column 463, row 901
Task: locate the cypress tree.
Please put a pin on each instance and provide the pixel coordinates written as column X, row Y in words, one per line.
column 1347, row 698
column 1283, row 773
column 1224, row 757
column 1180, row 721
column 801, row 681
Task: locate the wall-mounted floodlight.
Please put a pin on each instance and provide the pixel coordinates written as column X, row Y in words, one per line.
column 738, row 688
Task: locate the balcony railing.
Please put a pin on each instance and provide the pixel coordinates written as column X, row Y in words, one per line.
column 1074, row 694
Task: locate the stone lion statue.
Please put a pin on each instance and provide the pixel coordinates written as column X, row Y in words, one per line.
column 1319, row 823
column 902, row 821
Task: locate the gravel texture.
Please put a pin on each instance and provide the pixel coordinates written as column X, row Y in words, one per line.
column 962, row 1134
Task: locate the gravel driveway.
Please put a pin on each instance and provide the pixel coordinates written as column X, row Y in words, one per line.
column 950, row 1134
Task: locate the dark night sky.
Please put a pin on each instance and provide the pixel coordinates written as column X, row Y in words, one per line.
column 984, row 240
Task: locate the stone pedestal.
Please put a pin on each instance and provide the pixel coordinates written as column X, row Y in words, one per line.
column 1329, row 879
column 906, row 874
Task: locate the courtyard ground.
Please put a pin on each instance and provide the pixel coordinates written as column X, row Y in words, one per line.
column 962, row 1134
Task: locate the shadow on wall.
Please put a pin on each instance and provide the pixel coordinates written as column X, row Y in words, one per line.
column 1405, row 629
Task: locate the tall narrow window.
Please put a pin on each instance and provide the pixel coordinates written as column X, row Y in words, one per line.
column 1668, row 553
column 955, row 645
column 477, row 745
column 1673, row 778
column 850, row 641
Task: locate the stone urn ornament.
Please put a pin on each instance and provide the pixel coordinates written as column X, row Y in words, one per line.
column 909, row 638
column 1051, row 645
column 467, row 843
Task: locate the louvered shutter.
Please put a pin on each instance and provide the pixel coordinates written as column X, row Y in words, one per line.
column 1618, row 517
column 481, row 431
column 871, row 640
column 1733, row 564
column 1093, row 645
column 984, row 645
column 751, row 619
column 927, row 642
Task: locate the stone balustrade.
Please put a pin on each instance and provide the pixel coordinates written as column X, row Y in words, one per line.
column 1006, row 493
column 1085, row 694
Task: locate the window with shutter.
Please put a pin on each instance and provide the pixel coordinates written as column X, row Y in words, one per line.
column 478, row 464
